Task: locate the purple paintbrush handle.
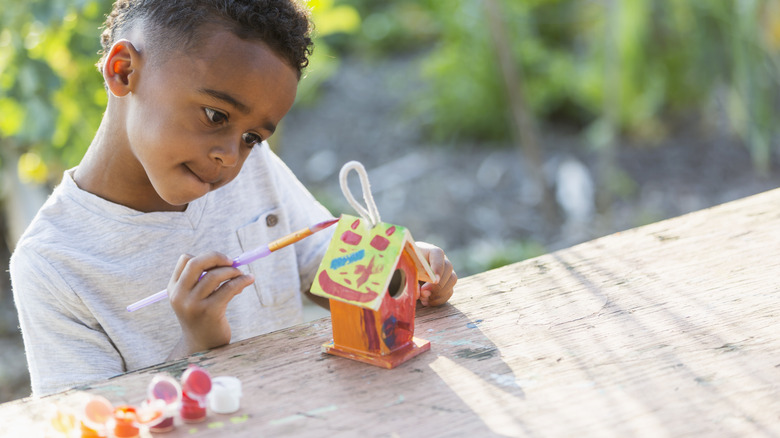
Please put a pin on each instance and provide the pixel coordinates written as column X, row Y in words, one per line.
column 159, row 296
column 250, row 256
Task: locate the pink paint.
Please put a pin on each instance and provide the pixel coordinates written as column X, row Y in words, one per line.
column 98, row 411
column 355, row 224
column 165, row 389
column 390, row 231
column 351, row 238
column 380, row 243
column 163, row 394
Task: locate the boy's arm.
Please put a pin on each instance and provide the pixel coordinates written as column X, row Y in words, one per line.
column 64, row 345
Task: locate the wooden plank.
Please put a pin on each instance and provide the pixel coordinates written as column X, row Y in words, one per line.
column 666, row 330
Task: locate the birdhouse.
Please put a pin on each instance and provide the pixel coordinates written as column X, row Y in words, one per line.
column 371, row 275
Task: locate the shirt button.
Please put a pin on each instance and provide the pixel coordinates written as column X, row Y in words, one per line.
column 271, row 220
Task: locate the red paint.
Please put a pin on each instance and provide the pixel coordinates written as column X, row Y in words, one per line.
column 403, row 307
column 380, row 242
column 196, row 382
column 366, row 271
column 343, row 292
column 196, row 385
column 355, row 224
column 369, row 323
column 351, row 238
column 390, row 231
column 191, row 410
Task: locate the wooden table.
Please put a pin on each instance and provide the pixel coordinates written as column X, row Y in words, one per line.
column 666, row 330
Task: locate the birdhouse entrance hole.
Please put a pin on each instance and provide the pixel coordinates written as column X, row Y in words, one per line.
column 397, row 284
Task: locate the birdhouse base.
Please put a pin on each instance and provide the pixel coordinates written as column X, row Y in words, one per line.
column 389, row 361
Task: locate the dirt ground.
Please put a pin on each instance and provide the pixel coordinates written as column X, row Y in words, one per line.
column 470, row 198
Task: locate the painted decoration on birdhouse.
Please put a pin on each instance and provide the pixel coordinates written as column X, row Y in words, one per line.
column 358, row 265
column 371, row 273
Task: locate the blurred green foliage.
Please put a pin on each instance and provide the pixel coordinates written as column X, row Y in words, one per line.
column 51, row 97
column 608, row 67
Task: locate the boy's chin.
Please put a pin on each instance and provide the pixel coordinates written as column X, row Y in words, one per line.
column 180, row 201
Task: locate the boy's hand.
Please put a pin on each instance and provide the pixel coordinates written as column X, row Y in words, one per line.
column 438, row 292
column 200, row 303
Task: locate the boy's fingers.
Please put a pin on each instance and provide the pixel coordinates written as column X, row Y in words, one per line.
column 196, row 266
column 213, row 279
column 437, row 294
column 445, row 292
column 229, row 289
column 180, row 265
column 446, row 272
column 436, row 259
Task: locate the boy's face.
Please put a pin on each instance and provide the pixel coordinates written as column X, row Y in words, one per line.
column 194, row 116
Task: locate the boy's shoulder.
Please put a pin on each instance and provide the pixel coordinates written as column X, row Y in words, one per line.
column 58, row 221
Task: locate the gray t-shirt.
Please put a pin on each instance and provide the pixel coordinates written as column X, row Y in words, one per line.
column 84, row 259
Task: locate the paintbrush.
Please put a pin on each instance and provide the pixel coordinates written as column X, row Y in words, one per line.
column 246, row 258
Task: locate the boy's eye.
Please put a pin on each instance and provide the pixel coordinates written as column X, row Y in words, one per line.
column 215, row 116
column 251, row 139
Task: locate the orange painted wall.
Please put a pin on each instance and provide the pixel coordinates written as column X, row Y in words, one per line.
column 382, row 331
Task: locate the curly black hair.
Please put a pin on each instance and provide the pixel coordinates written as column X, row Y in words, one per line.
column 173, row 24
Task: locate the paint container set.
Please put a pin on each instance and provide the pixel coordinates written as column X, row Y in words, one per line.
column 166, row 398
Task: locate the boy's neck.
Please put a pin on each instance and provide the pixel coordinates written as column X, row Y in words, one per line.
column 106, row 171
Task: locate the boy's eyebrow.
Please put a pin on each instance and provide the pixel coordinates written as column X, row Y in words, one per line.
column 225, row 97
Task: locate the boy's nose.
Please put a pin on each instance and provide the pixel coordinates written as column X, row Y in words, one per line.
column 226, row 156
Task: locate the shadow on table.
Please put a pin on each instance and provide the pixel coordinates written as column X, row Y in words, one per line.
column 462, row 383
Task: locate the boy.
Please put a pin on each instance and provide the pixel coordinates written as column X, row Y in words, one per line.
column 178, row 165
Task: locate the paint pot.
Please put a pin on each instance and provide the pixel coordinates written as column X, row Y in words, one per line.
column 63, row 422
column 225, row 396
column 126, row 422
column 195, row 385
column 163, row 397
column 96, row 415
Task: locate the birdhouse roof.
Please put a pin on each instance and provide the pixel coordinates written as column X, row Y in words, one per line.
column 360, row 261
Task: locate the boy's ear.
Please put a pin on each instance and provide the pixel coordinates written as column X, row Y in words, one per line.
column 122, row 61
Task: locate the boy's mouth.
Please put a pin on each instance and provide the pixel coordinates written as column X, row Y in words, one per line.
column 204, row 178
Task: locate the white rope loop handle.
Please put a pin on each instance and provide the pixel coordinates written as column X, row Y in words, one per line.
column 371, row 215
